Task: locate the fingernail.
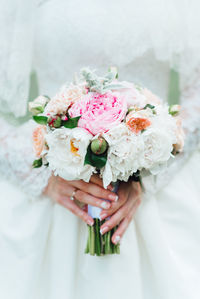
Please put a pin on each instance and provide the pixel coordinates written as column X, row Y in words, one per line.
column 117, row 239
column 103, row 230
column 113, row 197
column 90, row 222
column 105, row 205
column 103, row 216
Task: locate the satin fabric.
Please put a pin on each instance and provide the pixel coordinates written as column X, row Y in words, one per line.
column 42, row 248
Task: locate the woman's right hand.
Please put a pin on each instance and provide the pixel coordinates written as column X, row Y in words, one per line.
column 91, row 193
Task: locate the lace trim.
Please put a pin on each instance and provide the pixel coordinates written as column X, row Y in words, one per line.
column 16, row 157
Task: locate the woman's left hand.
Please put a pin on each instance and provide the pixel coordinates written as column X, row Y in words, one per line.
column 122, row 211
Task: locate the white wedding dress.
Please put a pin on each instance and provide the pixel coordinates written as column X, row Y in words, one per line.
column 41, row 243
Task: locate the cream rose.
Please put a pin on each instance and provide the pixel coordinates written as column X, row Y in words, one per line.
column 66, row 155
column 123, row 153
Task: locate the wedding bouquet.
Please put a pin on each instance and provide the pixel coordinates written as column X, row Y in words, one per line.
column 105, row 126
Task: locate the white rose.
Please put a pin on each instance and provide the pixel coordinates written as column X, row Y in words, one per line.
column 157, row 147
column 150, row 97
column 132, row 95
column 66, row 155
column 144, row 113
column 38, row 105
column 123, row 153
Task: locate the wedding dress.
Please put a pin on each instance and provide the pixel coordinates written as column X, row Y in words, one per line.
column 41, row 243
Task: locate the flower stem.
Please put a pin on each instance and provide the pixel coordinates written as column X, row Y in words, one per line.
column 98, row 244
column 97, row 237
column 92, row 240
column 88, row 241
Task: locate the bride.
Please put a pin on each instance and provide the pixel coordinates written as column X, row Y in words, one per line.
column 154, row 43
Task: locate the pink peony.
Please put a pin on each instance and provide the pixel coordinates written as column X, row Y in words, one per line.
column 99, row 112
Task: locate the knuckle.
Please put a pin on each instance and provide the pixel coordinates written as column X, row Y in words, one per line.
column 79, row 194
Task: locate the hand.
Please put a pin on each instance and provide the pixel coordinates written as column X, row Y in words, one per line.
column 123, row 210
column 90, row 193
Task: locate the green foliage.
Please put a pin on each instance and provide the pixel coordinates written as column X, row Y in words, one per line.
column 42, row 120
column 149, row 106
column 37, row 163
column 97, row 161
column 71, row 123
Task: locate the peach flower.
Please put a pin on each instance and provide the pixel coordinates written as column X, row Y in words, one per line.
column 180, row 135
column 138, row 120
column 39, row 139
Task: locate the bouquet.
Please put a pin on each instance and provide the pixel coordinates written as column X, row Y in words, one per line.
column 102, row 125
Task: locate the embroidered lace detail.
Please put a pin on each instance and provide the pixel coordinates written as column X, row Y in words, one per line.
column 190, row 115
column 16, row 157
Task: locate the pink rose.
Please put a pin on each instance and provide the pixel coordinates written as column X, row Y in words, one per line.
column 99, row 112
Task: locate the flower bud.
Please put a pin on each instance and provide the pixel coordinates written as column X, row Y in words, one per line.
column 55, row 122
column 99, row 146
column 174, row 110
column 38, row 105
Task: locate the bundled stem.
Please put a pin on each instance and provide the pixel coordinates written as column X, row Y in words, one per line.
column 100, row 245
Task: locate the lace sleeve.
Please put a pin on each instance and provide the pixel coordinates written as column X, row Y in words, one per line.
column 16, row 157
column 190, row 115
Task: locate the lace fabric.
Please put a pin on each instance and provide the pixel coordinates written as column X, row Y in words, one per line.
column 190, row 116
column 99, row 33
column 16, row 157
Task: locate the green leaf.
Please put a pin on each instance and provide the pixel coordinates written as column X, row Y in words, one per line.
column 71, row 123
column 149, row 106
column 97, row 161
column 42, row 120
column 37, row 163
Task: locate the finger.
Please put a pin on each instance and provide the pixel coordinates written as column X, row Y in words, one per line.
column 98, row 181
column 117, row 236
column 71, row 206
column 94, row 190
column 123, row 194
column 116, row 218
column 91, row 200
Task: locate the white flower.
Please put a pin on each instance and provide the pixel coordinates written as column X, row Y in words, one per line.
column 37, row 106
column 150, row 97
column 123, row 154
column 157, row 148
column 158, row 140
column 66, row 155
column 132, row 95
